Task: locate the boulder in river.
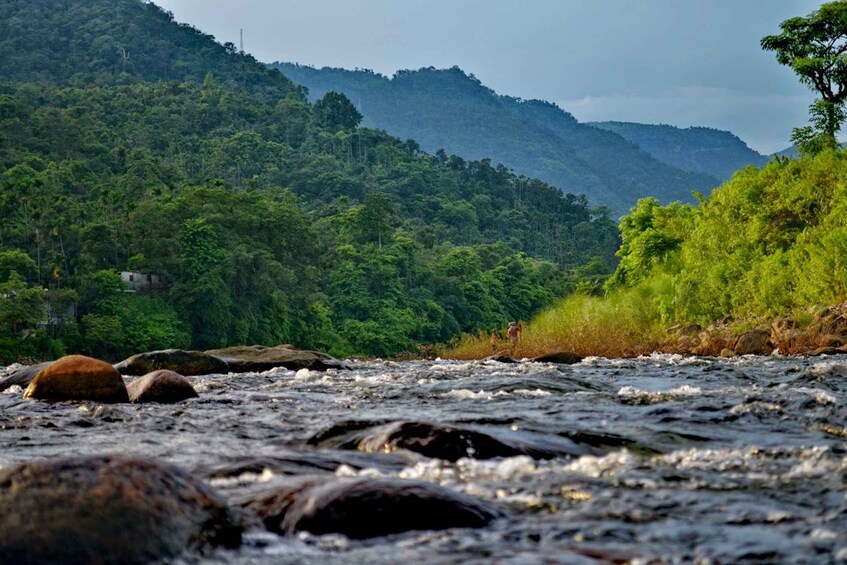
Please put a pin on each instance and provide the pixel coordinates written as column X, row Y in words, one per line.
column 438, row 441
column 108, row 509
column 561, row 357
column 258, row 358
column 163, row 386
column 755, row 342
column 365, row 508
column 22, row 375
column 76, row 377
column 500, row 358
column 187, row 363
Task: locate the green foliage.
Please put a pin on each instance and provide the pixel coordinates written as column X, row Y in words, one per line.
column 815, row 47
column 766, row 243
column 650, row 235
column 335, row 112
column 265, row 220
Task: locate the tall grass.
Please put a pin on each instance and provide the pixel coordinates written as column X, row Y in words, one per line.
column 624, row 324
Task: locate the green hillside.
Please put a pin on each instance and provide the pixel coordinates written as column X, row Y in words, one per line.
column 450, row 110
column 268, row 220
column 97, row 43
column 695, row 149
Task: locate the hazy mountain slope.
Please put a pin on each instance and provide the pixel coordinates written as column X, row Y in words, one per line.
column 101, row 42
column 450, row 110
column 696, row 149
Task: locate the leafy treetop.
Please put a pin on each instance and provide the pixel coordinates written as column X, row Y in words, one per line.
column 815, row 47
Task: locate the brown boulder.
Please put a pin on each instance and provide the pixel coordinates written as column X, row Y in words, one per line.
column 561, row 357
column 108, row 509
column 76, row 377
column 258, row 358
column 188, row 363
column 365, row 508
column 755, row 342
column 163, row 386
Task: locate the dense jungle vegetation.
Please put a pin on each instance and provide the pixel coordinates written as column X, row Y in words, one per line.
column 131, row 143
column 769, row 243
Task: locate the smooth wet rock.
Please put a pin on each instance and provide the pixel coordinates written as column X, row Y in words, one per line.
column 727, row 352
column 500, row 359
column 437, row 441
column 77, row 377
column 163, row 386
column 366, row 508
column 561, row 357
column 108, row 509
column 755, row 342
column 22, row 375
column 258, row 358
column 189, row 363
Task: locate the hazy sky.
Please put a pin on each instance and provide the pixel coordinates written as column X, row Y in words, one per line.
column 679, row 62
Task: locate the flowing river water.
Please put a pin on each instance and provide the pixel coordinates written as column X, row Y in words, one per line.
column 660, row 459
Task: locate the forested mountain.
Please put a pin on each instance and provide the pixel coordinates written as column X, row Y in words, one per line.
column 450, row 110
column 105, row 43
column 695, row 149
column 270, row 220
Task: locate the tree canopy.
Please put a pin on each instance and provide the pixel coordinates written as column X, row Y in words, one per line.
column 815, row 47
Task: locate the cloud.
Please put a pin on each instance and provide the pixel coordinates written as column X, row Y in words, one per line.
column 763, row 121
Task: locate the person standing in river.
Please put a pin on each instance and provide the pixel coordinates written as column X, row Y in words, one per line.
column 514, row 332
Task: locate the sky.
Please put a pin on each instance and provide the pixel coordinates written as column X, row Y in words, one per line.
column 678, row 62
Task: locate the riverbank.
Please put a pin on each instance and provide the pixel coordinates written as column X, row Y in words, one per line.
column 591, row 326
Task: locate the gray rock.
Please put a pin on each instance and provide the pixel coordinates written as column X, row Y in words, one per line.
column 258, row 358
column 22, row 376
column 187, row 363
column 108, row 509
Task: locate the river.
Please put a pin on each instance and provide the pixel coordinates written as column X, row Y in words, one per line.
column 660, row 459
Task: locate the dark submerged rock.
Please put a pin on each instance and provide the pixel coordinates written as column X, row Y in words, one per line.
column 163, row 386
column 436, row 441
column 188, row 363
column 22, row 376
column 365, row 508
column 108, row 509
column 76, row 377
column 500, row 359
column 562, row 357
column 258, row 358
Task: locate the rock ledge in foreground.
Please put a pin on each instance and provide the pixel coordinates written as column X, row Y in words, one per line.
column 108, row 509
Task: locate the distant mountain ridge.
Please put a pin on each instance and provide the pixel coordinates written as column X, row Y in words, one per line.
column 451, row 110
column 695, row 149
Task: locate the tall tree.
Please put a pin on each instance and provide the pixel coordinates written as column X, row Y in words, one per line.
column 815, row 47
column 335, row 112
